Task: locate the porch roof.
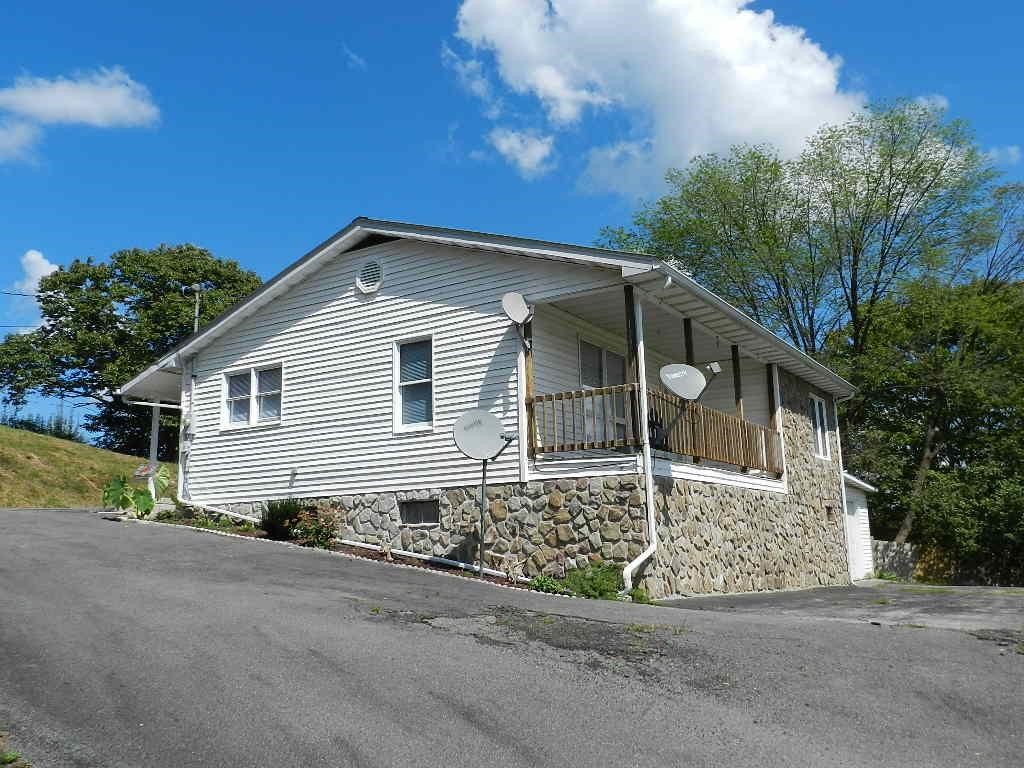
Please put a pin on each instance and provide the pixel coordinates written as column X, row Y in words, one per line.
column 646, row 272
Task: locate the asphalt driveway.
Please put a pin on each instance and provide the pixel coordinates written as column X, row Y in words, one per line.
column 127, row 644
column 883, row 602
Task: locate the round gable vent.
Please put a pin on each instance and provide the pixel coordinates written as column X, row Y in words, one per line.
column 370, row 277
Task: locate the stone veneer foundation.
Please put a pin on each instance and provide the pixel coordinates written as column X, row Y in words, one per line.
column 711, row 537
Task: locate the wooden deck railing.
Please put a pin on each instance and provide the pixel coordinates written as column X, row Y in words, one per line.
column 705, row 433
column 608, row 417
column 579, row 420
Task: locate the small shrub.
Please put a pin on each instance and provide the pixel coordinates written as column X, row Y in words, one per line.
column 547, row 584
column 598, row 582
column 886, row 575
column 315, row 528
column 119, row 493
column 279, row 517
column 639, row 595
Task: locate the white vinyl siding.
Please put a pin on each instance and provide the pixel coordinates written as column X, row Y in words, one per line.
column 337, row 347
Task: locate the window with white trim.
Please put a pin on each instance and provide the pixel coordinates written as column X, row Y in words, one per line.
column 414, row 384
column 253, row 396
column 819, row 424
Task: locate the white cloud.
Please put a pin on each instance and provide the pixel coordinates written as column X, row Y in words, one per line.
column 529, row 153
column 1009, row 154
column 473, row 79
column 17, row 139
column 353, row 59
column 103, row 98
column 34, row 267
column 692, row 77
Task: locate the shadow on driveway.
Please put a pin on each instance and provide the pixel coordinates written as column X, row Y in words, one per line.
column 883, row 602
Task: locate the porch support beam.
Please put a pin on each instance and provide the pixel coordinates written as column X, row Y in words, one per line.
column 688, row 339
column 154, row 442
column 770, row 374
column 737, row 380
column 633, row 374
column 527, row 447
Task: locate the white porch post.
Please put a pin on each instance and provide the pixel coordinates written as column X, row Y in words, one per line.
column 154, row 441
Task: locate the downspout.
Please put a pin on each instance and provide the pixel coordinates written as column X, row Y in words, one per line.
column 647, row 459
column 186, row 440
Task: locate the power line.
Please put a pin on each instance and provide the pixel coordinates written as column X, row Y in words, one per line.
column 18, row 293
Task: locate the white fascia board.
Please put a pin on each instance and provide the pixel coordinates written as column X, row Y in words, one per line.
column 516, row 246
column 840, row 386
column 856, row 482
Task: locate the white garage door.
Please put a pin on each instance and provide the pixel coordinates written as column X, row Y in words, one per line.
column 858, row 534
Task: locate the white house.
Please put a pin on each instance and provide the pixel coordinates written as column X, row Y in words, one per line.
column 339, row 381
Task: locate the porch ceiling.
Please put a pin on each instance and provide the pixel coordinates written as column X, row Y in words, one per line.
column 716, row 326
column 663, row 328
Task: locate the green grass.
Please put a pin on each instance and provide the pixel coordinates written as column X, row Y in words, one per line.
column 882, row 601
column 9, row 757
column 42, row 471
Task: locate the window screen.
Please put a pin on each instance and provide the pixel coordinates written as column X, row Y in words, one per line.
column 591, row 374
column 415, row 382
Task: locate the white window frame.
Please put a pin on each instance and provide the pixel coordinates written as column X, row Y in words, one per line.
column 398, row 427
column 254, row 422
column 819, row 428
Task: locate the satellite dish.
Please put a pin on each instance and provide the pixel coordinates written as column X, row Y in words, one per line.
column 478, row 434
column 514, row 305
column 683, row 380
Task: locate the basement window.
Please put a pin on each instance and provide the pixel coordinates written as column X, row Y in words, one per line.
column 420, row 512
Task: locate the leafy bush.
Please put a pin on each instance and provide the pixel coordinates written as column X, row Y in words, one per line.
column 547, row 584
column 279, row 517
column 315, row 528
column 119, row 493
column 597, row 581
column 639, row 595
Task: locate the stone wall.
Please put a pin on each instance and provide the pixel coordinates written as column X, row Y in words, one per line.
column 546, row 527
column 711, row 537
column 898, row 559
column 717, row 538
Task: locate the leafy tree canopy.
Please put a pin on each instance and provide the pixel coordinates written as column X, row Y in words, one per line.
column 105, row 321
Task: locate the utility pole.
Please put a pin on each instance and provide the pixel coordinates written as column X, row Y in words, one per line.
column 197, row 291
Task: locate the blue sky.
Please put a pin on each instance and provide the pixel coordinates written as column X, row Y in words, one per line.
column 257, row 134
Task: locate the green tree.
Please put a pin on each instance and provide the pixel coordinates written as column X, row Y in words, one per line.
column 105, row 321
column 942, row 431
column 814, row 243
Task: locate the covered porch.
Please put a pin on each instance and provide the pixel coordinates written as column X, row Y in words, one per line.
column 592, row 374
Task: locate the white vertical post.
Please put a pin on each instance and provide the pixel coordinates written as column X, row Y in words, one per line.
column 154, row 441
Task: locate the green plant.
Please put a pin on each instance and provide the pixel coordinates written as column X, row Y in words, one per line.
column 887, row 575
column 119, row 493
column 639, row 595
column 6, row 758
column 547, row 584
column 279, row 517
column 601, row 581
column 315, row 528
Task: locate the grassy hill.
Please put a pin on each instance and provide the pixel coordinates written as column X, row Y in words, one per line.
column 41, row 471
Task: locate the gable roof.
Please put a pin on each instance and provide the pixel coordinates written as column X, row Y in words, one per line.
column 640, row 269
